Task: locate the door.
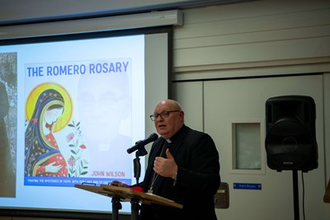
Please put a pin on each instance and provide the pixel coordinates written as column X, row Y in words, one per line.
column 234, row 108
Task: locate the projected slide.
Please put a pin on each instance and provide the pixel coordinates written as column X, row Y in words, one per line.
column 69, row 111
column 73, row 129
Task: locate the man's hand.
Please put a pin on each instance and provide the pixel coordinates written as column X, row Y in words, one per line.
column 118, row 183
column 166, row 167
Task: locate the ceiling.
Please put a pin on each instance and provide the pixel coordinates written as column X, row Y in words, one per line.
column 14, row 12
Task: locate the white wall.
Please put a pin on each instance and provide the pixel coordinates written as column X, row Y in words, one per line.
column 239, row 40
column 219, row 45
column 262, row 38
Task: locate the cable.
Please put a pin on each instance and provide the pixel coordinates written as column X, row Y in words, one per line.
column 303, row 194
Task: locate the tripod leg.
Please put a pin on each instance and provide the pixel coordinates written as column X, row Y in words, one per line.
column 135, row 207
column 116, row 206
column 295, row 194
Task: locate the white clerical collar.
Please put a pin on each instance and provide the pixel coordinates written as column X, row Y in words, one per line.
column 168, row 141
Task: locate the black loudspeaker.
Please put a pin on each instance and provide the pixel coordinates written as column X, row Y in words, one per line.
column 290, row 133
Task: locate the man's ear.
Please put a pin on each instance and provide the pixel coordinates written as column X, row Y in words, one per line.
column 182, row 114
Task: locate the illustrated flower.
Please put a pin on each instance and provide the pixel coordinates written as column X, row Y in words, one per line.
column 69, row 137
column 72, row 161
column 82, row 146
column 78, row 165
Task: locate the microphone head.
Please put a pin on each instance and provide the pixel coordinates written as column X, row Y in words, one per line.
column 153, row 137
column 139, row 145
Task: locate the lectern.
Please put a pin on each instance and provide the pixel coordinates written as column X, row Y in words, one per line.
column 119, row 194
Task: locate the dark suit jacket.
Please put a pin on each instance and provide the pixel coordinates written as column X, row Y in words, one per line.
column 198, row 177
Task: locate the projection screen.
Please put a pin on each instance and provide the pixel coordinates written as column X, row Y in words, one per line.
column 70, row 108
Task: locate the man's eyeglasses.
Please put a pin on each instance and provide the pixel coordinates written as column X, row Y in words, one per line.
column 163, row 115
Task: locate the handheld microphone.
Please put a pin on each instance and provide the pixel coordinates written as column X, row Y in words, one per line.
column 142, row 143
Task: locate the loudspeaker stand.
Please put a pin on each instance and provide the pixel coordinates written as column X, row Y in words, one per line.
column 295, row 194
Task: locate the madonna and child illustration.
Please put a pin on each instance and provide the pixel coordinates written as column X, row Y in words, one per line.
column 48, row 113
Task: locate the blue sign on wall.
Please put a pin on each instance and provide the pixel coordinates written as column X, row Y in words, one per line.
column 251, row 186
